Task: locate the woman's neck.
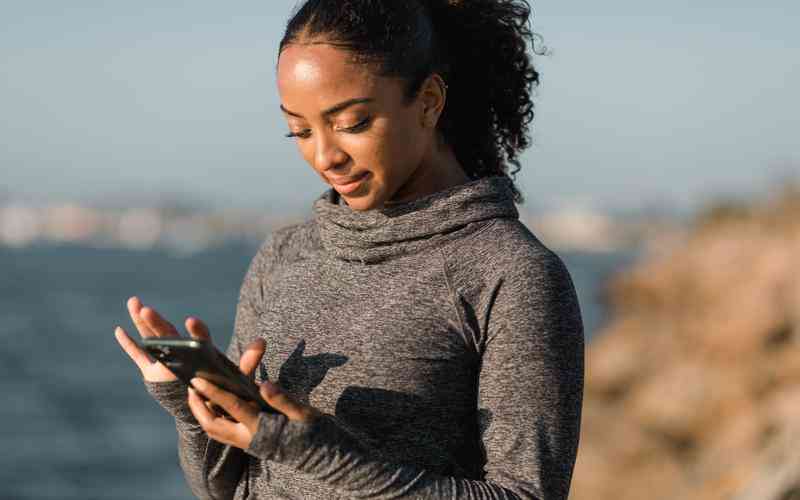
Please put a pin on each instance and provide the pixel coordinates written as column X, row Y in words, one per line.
column 436, row 172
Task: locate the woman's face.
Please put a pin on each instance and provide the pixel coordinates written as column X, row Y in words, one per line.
column 351, row 124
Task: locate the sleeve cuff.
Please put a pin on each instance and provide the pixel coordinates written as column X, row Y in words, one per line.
column 286, row 441
column 271, row 440
column 173, row 397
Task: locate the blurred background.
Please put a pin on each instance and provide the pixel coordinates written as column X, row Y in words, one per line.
column 143, row 153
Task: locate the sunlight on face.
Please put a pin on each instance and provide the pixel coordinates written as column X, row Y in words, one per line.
column 351, row 124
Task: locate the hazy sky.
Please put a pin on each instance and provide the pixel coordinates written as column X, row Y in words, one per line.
column 640, row 102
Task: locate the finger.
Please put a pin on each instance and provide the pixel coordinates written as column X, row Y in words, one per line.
column 157, row 323
column 205, row 417
column 276, row 398
column 218, row 428
column 235, row 406
column 197, row 329
column 215, row 409
column 134, row 306
column 252, row 356
column 140, row 357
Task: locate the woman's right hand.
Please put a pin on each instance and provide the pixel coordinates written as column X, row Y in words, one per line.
column 151, row 324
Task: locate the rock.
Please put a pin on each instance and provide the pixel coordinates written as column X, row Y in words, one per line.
column 693, row 388
column 683, row 401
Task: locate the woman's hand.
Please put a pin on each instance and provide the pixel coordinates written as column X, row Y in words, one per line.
column 150, row 324
column 240, row 433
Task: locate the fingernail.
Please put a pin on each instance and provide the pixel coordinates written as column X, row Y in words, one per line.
column 198, row 382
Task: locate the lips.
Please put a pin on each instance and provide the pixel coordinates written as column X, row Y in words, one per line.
column 343, row 181
column 349, row 185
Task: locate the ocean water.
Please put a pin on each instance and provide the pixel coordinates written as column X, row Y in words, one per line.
column 76, row 422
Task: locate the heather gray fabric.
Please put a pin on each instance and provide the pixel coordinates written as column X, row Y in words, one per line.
column 440, row 337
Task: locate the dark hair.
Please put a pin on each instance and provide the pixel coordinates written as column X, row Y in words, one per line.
column 479, row 48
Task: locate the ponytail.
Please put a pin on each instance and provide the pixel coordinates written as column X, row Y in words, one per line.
column 479, row 47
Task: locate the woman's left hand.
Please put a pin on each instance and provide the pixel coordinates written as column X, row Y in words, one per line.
column 240, row 433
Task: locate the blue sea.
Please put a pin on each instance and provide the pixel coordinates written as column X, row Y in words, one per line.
column 76, row 422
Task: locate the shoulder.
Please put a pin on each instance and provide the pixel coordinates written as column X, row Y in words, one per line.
column 507, row 277
column 288, row 243
column 506, row 250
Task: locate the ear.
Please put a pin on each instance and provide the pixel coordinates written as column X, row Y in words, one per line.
column 433, row 96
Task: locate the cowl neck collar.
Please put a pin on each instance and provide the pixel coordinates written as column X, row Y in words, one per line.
column 379, row 234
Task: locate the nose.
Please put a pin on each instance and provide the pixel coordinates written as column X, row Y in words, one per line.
column 328, row 154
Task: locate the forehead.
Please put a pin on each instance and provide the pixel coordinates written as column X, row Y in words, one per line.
column 320, row 75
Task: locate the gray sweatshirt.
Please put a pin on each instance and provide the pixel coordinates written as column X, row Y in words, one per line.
column 440, row 338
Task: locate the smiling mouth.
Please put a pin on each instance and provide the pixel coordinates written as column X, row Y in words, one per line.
column 350, row 185
column 343, row 181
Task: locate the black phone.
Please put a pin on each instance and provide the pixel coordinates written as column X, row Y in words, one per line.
column 188, row 358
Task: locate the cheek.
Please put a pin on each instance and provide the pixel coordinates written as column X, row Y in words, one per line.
column 373, row 150
column 399, row 149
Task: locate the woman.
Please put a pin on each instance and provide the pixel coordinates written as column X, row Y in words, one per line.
column 416, row 338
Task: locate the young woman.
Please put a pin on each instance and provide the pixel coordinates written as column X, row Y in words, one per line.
column 418, row 340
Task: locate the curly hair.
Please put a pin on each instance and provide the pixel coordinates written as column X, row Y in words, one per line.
column 479, row 48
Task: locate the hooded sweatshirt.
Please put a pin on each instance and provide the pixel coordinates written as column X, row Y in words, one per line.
column 440, row 339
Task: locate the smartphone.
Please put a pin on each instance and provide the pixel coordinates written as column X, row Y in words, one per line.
column 188, row 358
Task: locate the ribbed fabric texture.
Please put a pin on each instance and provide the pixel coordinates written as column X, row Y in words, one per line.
column 440, row 338
column 375, row 235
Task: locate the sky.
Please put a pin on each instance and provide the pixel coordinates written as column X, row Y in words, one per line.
column 641, row 104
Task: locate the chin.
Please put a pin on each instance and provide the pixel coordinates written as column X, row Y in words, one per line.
column 361, row 203
column 371, row 199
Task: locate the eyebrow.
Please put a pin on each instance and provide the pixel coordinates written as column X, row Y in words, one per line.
column 334, row 109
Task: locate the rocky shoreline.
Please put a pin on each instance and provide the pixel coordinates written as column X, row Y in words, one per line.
column 693, row 388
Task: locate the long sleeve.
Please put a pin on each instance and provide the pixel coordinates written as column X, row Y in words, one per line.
column 530, row 391
column 214, row 470
column 531, row 380
column 193, row 443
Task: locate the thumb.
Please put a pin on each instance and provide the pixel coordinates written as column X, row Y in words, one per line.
column 251, row 357
column 197, row 329
column 278, row 399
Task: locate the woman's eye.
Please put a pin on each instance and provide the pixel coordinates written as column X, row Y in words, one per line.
column 358, row 127
column 302, row 134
